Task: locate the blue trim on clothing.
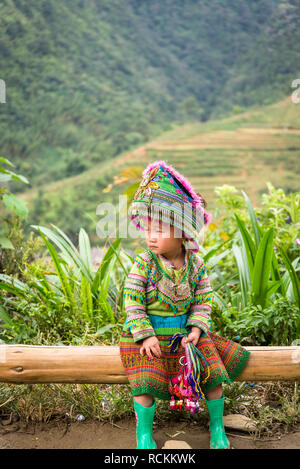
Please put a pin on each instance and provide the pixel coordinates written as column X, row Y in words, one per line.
column 159, row 322
column 173, row 323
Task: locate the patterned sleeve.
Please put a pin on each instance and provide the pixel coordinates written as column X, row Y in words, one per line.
column 137, row 320
column 200, row 310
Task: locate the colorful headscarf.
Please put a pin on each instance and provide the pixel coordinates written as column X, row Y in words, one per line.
column 170, row 197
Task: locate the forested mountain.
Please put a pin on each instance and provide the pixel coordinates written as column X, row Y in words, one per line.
column 265, row 72
column 89, row 79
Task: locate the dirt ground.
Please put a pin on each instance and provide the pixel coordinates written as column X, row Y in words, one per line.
column 92, row 434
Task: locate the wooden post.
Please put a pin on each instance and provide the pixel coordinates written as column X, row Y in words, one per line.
column 102, row 364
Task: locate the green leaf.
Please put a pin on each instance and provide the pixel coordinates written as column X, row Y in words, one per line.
column 105, row 265
column 243, row 271
column 255, row 226
column 103, row 303
column 273, row 286
column 66, row 286
column 262, row 267
column 209, row 254
column 14, row 286
column 5, row 177
column 4, row 160
column 5, row 317
column 86, row 299
column 292, row 273
column 17, row 177
column 14, row 204
column 85, row 249
column 6, row 243
column 249, row 245
column 276, row 276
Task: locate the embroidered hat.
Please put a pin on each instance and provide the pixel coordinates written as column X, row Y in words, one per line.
column 164, row 194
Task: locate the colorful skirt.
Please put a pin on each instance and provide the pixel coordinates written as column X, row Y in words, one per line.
column 224, row 359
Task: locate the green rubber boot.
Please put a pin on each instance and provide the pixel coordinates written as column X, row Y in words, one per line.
column 218, row 438
column 144, row 426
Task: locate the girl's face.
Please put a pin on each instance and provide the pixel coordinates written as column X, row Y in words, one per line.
column 162, row 238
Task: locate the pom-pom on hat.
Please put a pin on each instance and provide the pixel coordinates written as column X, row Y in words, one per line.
column 164, row 194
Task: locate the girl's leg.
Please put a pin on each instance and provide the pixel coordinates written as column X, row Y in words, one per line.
column 214, row 393
column 215, row 404
column 144, row 399
column 144, row 406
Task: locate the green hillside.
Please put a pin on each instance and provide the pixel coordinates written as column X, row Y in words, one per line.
column 264, row 73
column 247, row 150
column 89, row 79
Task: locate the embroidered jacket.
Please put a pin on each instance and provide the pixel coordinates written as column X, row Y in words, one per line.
column 150, row 289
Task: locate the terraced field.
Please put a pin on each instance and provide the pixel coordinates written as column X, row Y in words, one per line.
column 246, row 150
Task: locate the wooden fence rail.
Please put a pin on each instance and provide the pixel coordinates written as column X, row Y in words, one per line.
column 30, row 364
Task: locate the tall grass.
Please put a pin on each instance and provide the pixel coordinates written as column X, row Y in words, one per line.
column 72, row 298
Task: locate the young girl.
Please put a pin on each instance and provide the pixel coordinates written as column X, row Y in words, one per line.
column 168, row 291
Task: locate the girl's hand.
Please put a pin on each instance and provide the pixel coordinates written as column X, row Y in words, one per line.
column 193, row 336
column 151, row 345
